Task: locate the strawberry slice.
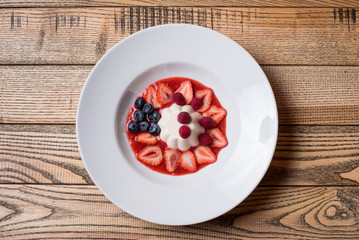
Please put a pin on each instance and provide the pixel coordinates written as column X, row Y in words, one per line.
column 187, row 161
column 151, row 155
column 218, row 138
column 171, row 157
column 204, row 154
column 216, row 113
column 206, row 96
column 186, row 90
column 164, row 94
column 146, row 138
column 151, row 97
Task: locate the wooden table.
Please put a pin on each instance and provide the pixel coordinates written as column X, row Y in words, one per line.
column 308, row 49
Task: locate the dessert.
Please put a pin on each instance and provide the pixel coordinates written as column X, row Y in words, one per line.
column 176, row 126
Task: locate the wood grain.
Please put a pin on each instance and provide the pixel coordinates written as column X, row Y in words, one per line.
column 169, row 3
column 43, row 212
column 315, row 155
column 305, row 155
column 40, row 94
column 304, row 95
column 40, row 154
column 306, row 36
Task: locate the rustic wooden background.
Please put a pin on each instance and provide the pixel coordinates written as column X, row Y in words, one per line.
column 308, row 49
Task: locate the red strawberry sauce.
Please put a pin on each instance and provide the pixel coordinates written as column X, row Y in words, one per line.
column 173, row 83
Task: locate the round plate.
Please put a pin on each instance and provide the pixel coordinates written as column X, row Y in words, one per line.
column 186, row 51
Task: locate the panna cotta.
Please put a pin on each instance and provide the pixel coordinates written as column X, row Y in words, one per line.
column 170, row 126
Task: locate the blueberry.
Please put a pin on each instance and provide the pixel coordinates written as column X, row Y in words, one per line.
column 144, row 126
column 133, row 127
column 155, row 129
column 139, row 115
column 147, row 108
column 154, row 117
column 139, row 102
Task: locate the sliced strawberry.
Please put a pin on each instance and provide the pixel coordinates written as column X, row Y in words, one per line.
column 218, row 138
column 171, row 157
column 206, row 96
column 204, row 154
column 164, row 94
column 216, row 113
column 146, row 138
column 151, row 155
column 187, row 161
column 151, row 97
column 186, row 90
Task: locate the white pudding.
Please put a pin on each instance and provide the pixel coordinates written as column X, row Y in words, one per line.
column 170, row 127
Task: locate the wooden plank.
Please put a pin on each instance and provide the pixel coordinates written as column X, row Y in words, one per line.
column 305, row 155
column 55, row 211
column 315, row 155
column 40, row 154
column 40, row 94
column 315, row 95
column 304, row 95
column 306, row 36
column 170, row 3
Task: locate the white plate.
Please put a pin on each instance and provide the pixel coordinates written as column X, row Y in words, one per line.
column 187, row 51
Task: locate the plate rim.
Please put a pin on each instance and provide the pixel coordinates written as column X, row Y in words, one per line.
column 275, row 133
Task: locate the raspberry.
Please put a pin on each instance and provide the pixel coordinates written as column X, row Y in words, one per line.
column 184, row 132
column 206, row 122
column 183, row 117
column 205, row 139
column 196, row 103
column 179, row 99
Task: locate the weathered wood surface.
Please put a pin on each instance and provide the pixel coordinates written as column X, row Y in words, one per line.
column 170, row 3
column 48, row 211
column 305, row 155
column 40, row 154
column 304, row 94
column 306, row 36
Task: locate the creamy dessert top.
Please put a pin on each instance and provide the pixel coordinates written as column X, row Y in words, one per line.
column 170, row 127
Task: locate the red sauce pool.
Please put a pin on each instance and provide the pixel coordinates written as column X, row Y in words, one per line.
column 173, row 83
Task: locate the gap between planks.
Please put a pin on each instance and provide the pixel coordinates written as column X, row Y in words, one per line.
column 182, row 3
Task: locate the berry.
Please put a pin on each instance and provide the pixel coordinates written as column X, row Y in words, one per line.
column 204, row 154
column 204, row 139
column 196, row 103
column 151, row 155
column 154, row 117
column 219, row 140
column 133, row 127
column 164, row 93
column 187, row 161
column 206, row 122
column 186, row 90
column 216, row 113
column 147, row 108
column 144, row 126
column 154, row 129
column 151, row 97
column 146, row 138
column 139, row 102
column 139, row 115
column 171, row 157
column 183, row 117
column 184, row 132
column 179, row 99
column 206, row 96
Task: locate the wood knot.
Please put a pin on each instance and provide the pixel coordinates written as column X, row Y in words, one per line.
column 331, row 211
